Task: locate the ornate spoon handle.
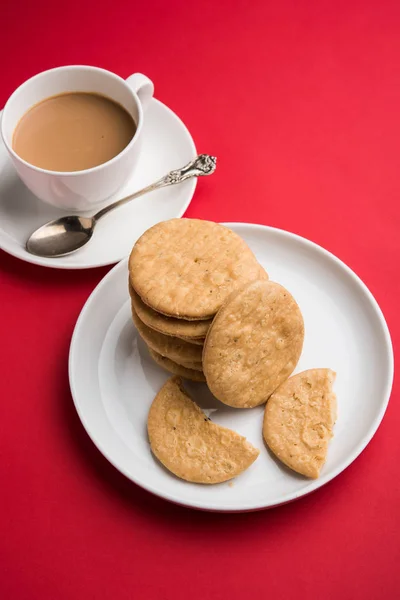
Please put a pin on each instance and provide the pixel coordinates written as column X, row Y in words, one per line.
column 202, row 165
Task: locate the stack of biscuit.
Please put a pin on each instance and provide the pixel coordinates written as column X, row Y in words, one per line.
column 180, row 273
column 208, row 312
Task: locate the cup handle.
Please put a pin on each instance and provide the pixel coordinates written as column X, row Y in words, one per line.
column 143, row 86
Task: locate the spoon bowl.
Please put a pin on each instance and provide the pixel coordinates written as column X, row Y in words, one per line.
column 61, row 236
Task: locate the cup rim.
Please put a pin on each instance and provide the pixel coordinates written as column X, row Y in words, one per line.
column 83, row 171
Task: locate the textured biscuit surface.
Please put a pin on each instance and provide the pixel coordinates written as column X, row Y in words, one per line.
column 176, row 349
column 173, row 367
column 186, row 268
column 190, row 330
column 189, row 445
column 299, row 419
column 253, row 344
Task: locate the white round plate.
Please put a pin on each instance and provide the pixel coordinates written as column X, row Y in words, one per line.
column 167, row 145
column 113, row 380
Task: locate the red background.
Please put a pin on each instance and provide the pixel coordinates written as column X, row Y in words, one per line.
column 300, row 102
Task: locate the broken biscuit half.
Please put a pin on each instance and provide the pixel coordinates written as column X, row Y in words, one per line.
column 191, row 446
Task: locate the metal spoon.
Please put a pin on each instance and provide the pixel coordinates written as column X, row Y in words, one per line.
column 68, row 234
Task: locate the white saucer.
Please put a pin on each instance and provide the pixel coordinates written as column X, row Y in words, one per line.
column 113, row 379
column 167, row 145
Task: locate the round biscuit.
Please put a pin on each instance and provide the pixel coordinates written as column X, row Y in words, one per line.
column 173, row 367
column 186, row 268
column 176, row 349
column 188, row 330
column 253, row 344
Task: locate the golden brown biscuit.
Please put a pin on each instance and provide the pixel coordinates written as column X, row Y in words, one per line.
column 173, row 367
column 194, row 331
column 253, row 344
column 194, row 366
column 299, row 419
column 176, row 349
column 195, row 341
column 189, row 445
column 186, row 268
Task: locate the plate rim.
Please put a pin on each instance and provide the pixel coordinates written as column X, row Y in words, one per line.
column 22, row 254
column 314, row 484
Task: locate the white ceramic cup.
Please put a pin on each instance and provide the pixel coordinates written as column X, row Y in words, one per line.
column 78, row 190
